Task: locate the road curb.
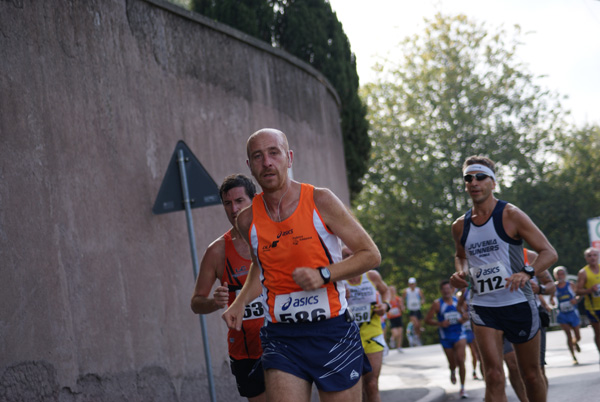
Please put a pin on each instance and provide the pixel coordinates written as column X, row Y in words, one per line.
column 435, row 394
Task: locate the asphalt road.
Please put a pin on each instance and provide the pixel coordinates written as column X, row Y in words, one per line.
column 422, row 374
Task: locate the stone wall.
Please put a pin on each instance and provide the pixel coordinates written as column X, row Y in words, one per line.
column 94, row 95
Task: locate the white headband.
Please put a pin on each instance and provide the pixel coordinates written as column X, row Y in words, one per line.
column 480, row 168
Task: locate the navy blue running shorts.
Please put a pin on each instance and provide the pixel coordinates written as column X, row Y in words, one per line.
column 520, row 322
column 328, row 353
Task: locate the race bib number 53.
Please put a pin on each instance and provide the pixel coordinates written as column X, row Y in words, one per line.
column 489, row 278
column 302, row 306
column 254, row 309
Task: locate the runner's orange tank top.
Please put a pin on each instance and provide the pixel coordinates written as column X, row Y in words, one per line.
column 301, row 240
column 244, row 344
column 394, row 308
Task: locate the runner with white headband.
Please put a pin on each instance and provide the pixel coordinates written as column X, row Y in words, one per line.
column 479, row 168
column 489, row 254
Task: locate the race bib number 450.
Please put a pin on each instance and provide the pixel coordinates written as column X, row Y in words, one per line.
column 361, row 312
column 302, row 306
column 489, row 278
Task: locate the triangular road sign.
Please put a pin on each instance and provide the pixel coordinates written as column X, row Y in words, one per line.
column 202, row 188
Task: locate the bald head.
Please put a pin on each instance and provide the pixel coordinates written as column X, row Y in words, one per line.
column 270, row 132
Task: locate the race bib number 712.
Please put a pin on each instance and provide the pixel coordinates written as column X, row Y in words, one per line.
column 489, row 278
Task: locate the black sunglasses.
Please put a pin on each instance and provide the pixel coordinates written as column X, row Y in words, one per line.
column 479, row 176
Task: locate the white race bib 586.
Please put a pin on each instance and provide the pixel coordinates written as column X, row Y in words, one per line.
column 302, row 306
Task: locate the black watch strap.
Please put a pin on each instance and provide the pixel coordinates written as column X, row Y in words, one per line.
column 528, row 269
column 325, row 274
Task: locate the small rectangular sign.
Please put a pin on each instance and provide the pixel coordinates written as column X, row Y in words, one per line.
column 594, row 232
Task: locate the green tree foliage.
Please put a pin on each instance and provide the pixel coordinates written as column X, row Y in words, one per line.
column 309, row 30
column 568, row 195
column 254, row 17
column 323, row 43
column 458, row 91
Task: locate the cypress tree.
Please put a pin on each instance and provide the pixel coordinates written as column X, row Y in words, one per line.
column 310, row 30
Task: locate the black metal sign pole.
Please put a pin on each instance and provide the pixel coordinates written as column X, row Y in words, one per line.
column 188, row 214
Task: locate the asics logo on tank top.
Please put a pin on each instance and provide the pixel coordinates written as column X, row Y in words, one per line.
column 487, row 271
column 279, row 236
column 287, row 232
column 300, row 302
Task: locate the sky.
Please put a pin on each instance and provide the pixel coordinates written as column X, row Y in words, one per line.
column 562, row 40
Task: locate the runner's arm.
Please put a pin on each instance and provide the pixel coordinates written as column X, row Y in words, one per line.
column 576, row 299
column 211, row 268
column 383, row 290
column 380, row 285
column 458, row 279
column 460, row 306
column 234, row 315
column 430, row 317
column 545, row 279
column 519, row 225
column 581, row 279
column 341, row 223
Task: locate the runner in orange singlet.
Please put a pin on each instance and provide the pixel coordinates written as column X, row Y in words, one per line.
column 294, row 231
column 228, row 259
column 395, row 317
